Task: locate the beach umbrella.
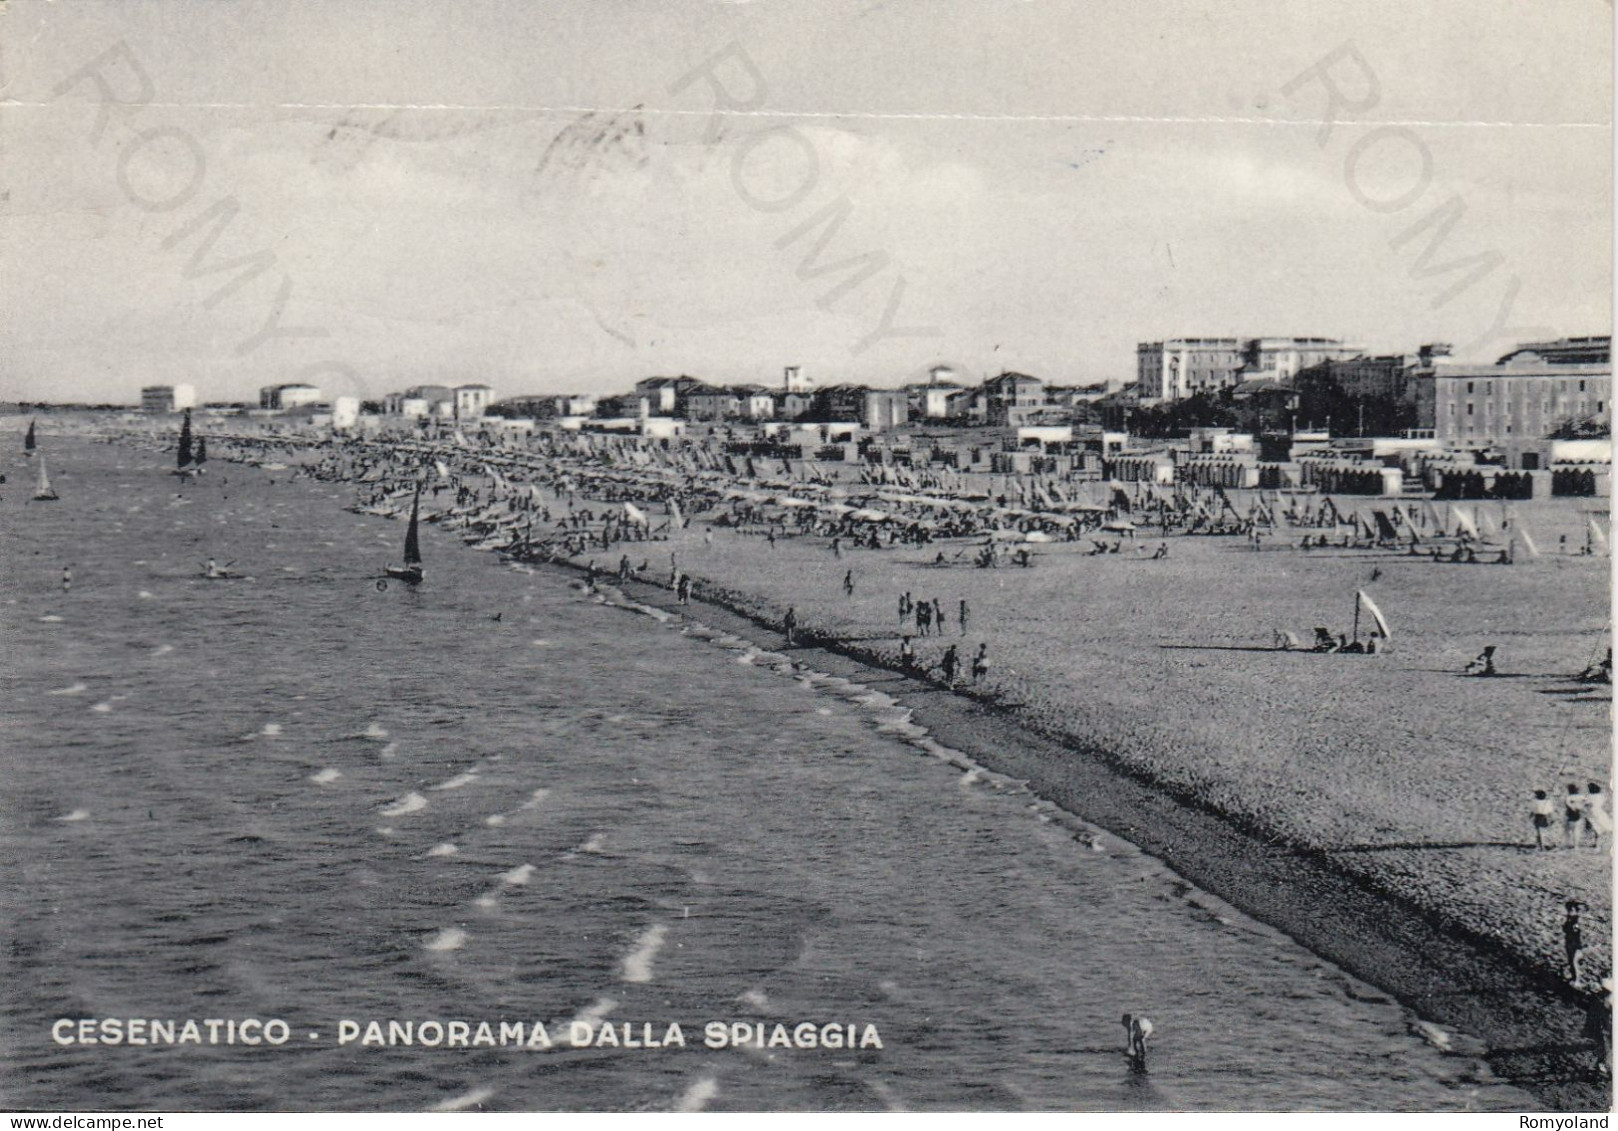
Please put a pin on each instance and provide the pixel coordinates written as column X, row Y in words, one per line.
column 1463, row 520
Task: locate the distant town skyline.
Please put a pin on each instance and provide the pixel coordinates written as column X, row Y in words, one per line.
column 542, row 198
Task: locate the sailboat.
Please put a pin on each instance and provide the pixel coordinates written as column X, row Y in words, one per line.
column 43, row 491
column 1362, row 600
column 28, row 441
column 185, row 463
column 411, row 571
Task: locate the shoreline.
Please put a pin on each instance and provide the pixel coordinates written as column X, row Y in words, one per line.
column 1526, row 1020
column 1529, row 1022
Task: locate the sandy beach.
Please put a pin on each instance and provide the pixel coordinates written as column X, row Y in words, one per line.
column 1396, row 789
column 1396, row 766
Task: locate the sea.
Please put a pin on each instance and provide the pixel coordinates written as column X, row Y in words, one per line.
column 368, row 820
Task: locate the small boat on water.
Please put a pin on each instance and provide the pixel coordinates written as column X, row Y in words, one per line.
column 28, row 441
column 411, row 571
column 214, row 572
column 43, row 491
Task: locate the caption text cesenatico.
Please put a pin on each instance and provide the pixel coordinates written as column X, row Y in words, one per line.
column 253, row 1032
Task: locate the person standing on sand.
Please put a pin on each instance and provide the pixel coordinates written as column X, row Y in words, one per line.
column 682, row 591
column 1544, row 812
column 789, row 625
column 907, row 654
column 1597, row 820
column 938, row 615
column 836, row 547
column 848, row 583
column 1139, row 1030
column 904, row 609
column 980, row 664
column 962, row 614
column 1573, row 938
column 950, row 664
column 67, row 578
column 1598, row 1025
column 1572, row 817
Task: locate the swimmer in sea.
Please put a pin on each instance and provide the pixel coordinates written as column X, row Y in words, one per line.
column 1140, row 1031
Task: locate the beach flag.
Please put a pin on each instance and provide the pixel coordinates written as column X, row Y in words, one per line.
column 1376, row 613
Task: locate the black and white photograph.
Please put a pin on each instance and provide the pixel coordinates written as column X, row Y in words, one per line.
column 989, row 556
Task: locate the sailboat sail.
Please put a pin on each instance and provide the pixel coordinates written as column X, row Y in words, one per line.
column 28, row 440
column 185, row 441
column 1376, row 614
column 43, row 491
column 412, row 551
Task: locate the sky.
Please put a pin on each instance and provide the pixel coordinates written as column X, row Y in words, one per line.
column 569, row 196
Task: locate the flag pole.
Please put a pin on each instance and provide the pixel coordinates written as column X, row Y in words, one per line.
column 1356, row 617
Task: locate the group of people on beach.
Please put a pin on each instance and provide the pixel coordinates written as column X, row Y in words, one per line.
column 929, row 616
column 1582, row 813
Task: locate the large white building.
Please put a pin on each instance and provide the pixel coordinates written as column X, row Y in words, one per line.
column 472, row 401
column 167, row 398
column 282, row 397
column 1177, row 368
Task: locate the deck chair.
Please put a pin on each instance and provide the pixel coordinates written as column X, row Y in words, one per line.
column 1484, row 664
column 1324, row 640
column 1286, row 641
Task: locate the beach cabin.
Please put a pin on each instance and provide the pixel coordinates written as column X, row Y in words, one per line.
column 661, row 427
column 1043, row 435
